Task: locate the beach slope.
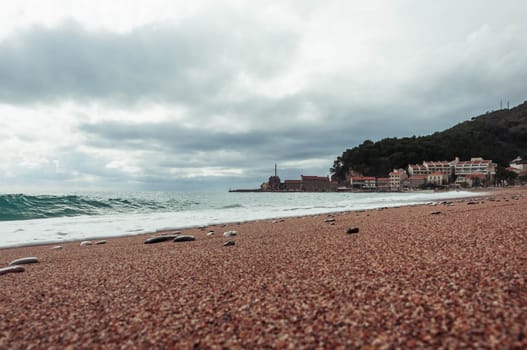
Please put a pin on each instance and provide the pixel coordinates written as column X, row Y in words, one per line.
column 449, row 275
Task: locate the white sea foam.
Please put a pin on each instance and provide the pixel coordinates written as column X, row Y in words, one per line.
column 205, row 209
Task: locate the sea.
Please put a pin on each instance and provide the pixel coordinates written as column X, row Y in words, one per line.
column 30, row 219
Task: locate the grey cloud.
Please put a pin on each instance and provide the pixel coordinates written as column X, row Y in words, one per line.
column 285, row 142
column 189, row 61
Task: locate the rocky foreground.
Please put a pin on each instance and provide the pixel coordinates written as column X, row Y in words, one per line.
column 450, row 276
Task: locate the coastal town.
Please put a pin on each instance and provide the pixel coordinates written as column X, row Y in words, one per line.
column 476, row 172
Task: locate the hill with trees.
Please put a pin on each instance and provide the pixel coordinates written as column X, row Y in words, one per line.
column 499, row 135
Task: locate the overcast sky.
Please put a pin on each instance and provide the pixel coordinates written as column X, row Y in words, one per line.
column 190, row 95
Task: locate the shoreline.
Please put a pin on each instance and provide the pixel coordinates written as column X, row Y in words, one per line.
column 413, row 276
column 479, row 192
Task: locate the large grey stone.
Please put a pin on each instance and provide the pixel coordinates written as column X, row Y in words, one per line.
column 184, row 238
column 23, row 261
column 230, row 233
column 12, row 269
column 159, row 239
column 352, row 230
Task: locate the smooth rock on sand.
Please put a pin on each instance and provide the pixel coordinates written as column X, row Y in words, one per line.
column 57, row 247
column 228, row 243
column 184, row 238
column 12, row 269
column 86, row 243
column 352, row 230
column 230, row 233
column 435, row 213
column 159, row 239
column 101, row 242
column 22, row 261
column 330, row 220
column 211, row 233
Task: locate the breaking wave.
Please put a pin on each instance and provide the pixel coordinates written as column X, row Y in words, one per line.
column 27, row 207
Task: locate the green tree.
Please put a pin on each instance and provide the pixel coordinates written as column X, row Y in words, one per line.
column 500, row 136
column 503, row 174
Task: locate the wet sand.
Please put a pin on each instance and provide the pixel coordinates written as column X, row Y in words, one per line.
column 411, row 278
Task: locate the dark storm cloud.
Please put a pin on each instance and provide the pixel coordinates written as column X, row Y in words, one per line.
column 285, row 144
column 183, row 62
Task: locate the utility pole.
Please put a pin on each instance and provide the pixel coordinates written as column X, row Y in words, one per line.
column 275, row 169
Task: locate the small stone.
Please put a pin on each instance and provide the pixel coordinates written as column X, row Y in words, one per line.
column 228, row 243
column 101, row 242
column 230, row 233
column 471, row 203
column 22, row 261
column 12, row 269
column 57, row 247
column 435, row 213
column 159, row 239
column 211, row 233
column 184, row 238
column 330, row 220
column 352, row 230
column 86, row 243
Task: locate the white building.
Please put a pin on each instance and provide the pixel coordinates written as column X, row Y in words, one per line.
column 397, row 177
column 442, row 167
column 417, row 170
column 474, row 166
column 437, row 178
column 518, row 164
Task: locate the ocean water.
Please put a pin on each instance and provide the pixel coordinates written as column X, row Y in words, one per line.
column 27, row 219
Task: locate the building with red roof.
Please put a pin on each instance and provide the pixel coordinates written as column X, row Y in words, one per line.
column 417, row 180
column 293, row 185
column 315, row 183
column 397, row 177
column 473, row 166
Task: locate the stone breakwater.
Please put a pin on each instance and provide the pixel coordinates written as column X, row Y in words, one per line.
column 408, row 278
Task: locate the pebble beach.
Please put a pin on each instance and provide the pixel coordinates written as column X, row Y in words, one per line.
column 447, row 275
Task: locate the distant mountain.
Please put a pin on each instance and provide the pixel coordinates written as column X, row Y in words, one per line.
column 500, row 136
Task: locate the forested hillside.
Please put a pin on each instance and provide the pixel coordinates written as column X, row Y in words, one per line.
column 500, row 136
